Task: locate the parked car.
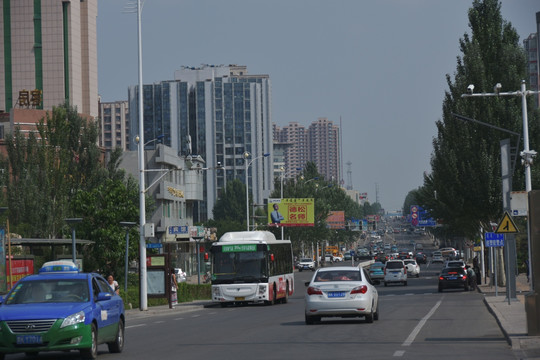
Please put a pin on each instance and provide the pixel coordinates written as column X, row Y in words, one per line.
column 413, row 269
column 61, row 309
column 453, row 278
column 395, row 272
column 376, row 272
column 344, row 291
column 306, row 264
column 420, row 258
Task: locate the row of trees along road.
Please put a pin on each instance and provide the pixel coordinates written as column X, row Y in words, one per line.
column 464, row 188
column 59, row 172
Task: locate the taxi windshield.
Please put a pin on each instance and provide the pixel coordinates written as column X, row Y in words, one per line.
column 53, row 291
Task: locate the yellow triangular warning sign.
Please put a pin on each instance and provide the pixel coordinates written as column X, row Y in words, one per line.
column 506, row 225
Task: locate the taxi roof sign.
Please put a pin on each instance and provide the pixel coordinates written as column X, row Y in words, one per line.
column 59, row 267
column 506, row 225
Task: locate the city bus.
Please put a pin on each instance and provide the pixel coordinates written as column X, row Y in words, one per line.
column 251, row 267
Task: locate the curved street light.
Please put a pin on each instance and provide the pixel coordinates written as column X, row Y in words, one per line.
column 247, row 163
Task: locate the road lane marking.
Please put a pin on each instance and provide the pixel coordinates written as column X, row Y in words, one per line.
column 399, row 353
column 419, row 326
column 134, row 326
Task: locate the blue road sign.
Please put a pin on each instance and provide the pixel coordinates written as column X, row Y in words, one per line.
column 494, row 239
column 154, row 246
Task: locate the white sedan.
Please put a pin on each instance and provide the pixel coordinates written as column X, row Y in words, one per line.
column 344, row 291
column 413, row 269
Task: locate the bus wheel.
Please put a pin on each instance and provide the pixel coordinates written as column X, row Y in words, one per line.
column 286, row 298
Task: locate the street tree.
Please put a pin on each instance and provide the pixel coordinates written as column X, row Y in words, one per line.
column 464, row 186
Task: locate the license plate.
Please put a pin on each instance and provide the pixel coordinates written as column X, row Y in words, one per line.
column 239, row 298
column 395, row 272
column 336, row 294
column 452, row 278
column 29, row 339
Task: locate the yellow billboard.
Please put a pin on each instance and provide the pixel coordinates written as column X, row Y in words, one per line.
column 291, row 212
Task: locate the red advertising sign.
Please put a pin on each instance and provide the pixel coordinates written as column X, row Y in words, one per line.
column 336, row 220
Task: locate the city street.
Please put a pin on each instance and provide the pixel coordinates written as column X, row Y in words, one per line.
column 415, row 322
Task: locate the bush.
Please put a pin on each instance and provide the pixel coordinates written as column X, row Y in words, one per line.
column 186, row 293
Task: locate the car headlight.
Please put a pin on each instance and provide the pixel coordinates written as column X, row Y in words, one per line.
column 73, row 319
column 262, row 289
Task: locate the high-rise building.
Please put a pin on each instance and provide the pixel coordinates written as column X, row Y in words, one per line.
column 319, row 143
column 532, row 46
column 48, row 55
column 216, row 112
column 114, row 125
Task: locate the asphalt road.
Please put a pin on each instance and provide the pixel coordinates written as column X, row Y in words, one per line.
column 415, row 322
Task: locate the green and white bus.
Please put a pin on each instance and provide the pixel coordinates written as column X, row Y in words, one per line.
column 251, row 266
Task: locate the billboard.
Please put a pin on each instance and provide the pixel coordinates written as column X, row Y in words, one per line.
column 336, row 220
column 291, row 212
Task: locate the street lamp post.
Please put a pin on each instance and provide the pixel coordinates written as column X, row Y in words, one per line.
column 127, row 225
column 247, row 163
column 2, row 210
column 527, row 155
column 72, row 222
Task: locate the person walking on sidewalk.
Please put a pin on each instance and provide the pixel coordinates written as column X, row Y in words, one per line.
column 174, row 289
column 471, row 277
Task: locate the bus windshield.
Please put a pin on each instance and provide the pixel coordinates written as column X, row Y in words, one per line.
column 239, row 267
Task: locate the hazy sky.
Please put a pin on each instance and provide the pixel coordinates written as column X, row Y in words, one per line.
column 377, row 65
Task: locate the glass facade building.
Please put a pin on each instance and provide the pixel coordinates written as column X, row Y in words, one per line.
column 217, row 113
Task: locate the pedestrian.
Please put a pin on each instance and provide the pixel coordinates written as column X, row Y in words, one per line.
column 113, row 284
column 476, row 268
column 174, row 289
column 471, row 277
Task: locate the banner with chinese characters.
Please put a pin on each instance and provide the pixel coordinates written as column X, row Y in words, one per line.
column 336, row 220
column 291, row 212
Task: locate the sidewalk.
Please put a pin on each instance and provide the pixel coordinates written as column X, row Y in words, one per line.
column 511, row 316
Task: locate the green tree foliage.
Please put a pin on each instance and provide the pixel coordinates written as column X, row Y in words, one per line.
column 464, row 187
column 47, row 168
column 59, row 172
column 230, row 209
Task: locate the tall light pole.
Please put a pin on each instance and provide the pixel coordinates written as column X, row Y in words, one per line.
column 72, row 222
column 527, row 155
column 247, row 163
column 143, row 302
column 127, row 225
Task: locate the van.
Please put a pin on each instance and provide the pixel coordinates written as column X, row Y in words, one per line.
column 419, row 247
column 395, row 272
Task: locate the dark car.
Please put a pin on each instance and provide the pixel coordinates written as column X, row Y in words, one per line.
column 403, row 255
column 381, row 257
column 452, row 278
column 420, row 258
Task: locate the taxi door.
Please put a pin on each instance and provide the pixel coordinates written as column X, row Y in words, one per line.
column 106, row 312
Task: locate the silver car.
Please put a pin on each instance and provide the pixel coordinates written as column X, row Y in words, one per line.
column 344, row 291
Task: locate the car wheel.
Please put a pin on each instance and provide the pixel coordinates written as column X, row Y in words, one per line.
column 466, row 288
column 376, row 315
column 118, row 344
column 91, row 352
column 310, row 320
column 385, row 283
column 300, row 270
column 404, row 283
column 369, row 317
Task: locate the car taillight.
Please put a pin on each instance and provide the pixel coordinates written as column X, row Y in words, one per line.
column 441, row 278
column 464, row 277
column 359, row 290
column 314, row 291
